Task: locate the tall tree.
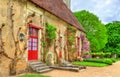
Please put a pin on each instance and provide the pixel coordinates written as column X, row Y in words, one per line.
column 113, row 45
column 95, row 30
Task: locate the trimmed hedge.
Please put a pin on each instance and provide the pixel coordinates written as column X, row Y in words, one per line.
column 113, row 59
column 101, row 54
column 96, row 62
column 106, row 61
column 93, row 64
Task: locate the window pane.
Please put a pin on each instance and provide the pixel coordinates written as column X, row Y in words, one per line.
column 33, row 44
column 32, row 48
column 29, row 44
column 29, row 48
column 35, row 32
column 35, row 48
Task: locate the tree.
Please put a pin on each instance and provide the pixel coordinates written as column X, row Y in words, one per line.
column 95, row 30
column 113, row 45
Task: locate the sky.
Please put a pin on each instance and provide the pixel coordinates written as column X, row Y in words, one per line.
column 106, row 10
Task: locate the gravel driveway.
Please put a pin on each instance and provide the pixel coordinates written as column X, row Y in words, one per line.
column 109, row 71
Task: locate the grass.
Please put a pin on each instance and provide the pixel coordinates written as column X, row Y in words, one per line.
column 93, row 64
column 33, row 75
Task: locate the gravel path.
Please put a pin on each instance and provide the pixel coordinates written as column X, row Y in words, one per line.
column 109, row 71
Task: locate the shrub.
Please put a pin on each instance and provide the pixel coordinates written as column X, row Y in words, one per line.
column 101, row 54
column 108, row 55
column 93, row 64
column 114, row 59
column 50, row 34
column 107, row 61
column 98, row 54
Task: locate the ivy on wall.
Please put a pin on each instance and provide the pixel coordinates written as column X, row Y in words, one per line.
column 71, row 42
column 50, row 34
column 71, row 35
column 48, row 40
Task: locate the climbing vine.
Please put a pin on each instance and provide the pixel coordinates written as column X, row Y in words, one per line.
column 71, row 35
column 47, row 41
column 50, row 34
column 71, row 42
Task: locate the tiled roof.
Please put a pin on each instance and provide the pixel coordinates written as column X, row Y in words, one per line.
column 59, row 9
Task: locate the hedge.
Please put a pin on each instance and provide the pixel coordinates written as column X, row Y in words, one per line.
column 107, row 61
column 93, row 64
column 101, row 54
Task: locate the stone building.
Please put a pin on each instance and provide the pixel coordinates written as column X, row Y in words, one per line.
column 23, row 33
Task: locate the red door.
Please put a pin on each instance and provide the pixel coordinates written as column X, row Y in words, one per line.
column 33, row 43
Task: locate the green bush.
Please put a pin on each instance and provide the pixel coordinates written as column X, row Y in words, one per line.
column 50, row 34
column 101, row 54
column 114, row 59
column 97, row 62
column 108, row 55
column 107, row 61
column 93, row 64
column 98, row 54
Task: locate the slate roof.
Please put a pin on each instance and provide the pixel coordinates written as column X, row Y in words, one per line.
column 59, row 9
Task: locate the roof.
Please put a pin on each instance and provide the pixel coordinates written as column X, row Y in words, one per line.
column 59, row 9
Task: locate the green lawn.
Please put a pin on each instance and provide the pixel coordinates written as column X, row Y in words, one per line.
column 33, row 75
column 94, row 64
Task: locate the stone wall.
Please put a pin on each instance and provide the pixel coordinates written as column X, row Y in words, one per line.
column 12, row 16
column 61, row 27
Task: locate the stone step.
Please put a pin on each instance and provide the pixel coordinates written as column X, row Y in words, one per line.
column 45, row 70
column 34, row 63
column 74, row 66
column 37, row 65
column 66, row 68
column 40, row 68
column 66, row 65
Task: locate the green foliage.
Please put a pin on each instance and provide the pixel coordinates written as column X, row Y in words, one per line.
column 50, row 34
column 93, row 64
column 71, row 34
column 101, row 54
column 95, row 30
column 33, row 75
column 114, row 59
column 106, row 61
column 71, row 31
column 87, row 53
column 113, row 45
column 97, row 62
column 43, row 43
